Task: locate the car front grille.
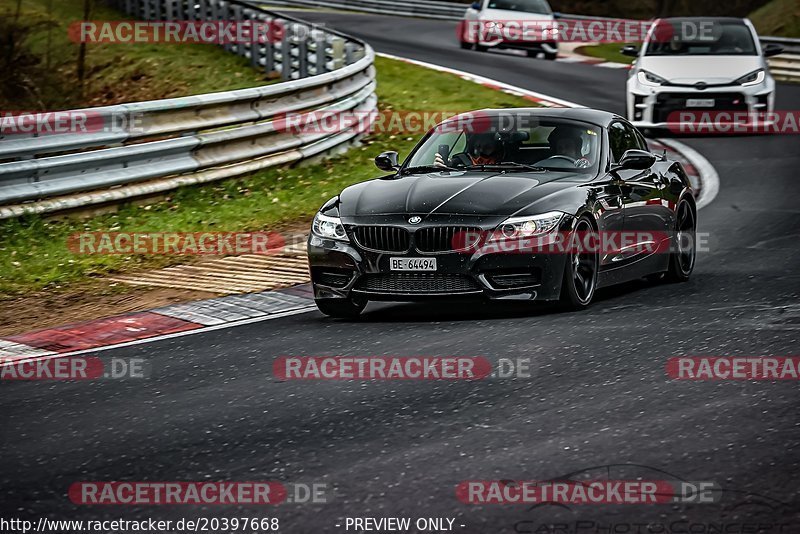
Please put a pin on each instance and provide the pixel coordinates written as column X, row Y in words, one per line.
column 446, row 238
column 668, row 103
column 416, row 283
column 382, row 238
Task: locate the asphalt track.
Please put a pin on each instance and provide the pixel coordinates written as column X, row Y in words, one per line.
column 598, row 400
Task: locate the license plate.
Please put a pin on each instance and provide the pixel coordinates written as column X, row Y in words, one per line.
column 412, row 264
column 700, row 103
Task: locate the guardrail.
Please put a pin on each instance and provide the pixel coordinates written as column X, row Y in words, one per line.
column 164, row 144
column 784, row 67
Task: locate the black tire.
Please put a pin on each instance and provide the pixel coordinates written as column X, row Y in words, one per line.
column 550, row 57
column 465, row 45
column 481, row 48
column 341, row 308
column 580, row 272
column 682, row 260
column 533, row 53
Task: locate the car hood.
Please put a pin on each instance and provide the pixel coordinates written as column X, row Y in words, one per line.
column 461, row 193
column 709, row 69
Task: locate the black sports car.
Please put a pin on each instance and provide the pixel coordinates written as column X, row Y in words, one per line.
column 536, row 204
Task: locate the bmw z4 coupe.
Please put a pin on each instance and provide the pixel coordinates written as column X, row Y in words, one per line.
column 533, row 204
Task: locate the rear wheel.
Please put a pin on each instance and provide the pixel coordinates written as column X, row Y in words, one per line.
column 341, row 308
column 465, row 45
column 550, row 56
column 533, row 53
column 481, row 48
column 580, row 272
column 681, row 262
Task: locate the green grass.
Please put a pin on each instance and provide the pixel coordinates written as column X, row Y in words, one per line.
column 779, row 18
column 45, row 75
column 33, row 251
column 607, row 51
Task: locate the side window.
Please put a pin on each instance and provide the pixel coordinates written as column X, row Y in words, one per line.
column 622, row 137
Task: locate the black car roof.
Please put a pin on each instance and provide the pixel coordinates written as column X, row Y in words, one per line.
column 592, row 116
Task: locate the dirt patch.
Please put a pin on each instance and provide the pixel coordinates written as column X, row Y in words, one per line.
column 90, row 301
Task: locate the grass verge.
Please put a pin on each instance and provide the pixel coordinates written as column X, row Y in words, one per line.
column 40, row 62
column 33, row 250
column 780, row 18
column 607, row 51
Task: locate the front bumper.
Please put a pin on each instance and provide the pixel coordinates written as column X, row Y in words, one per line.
column 549, row 47
column 347, row 270
column 664, row 106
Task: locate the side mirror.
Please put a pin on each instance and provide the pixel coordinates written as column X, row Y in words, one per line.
column 772, row 50
column 630, row 50
column 387, row 161
column 476, row 6
column 637, row 160
column 557, row 15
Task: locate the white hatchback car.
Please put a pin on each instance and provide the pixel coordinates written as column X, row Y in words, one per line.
column 691, row 65
column 502, row 19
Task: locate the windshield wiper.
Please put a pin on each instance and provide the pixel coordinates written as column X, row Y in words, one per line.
column 507, row 165
column 424, row 168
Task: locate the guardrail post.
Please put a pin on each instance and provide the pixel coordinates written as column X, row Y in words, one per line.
column 322, row 53
column 338, row 52
column 348, row 53
column 239, row 48
column 286, row 52
column 302, row 57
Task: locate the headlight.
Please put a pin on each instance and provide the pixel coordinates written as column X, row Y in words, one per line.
column 648, row 78
column 328, row 227
column 754, row 78
column 528, row 226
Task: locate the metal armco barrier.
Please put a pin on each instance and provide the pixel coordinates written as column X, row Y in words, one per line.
column 149, row 147
column 784, row 67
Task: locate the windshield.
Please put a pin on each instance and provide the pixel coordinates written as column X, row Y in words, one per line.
column 527, row 6
column 516, row 142
column 701, row 38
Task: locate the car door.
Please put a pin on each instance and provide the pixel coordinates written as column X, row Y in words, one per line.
column 645, row 213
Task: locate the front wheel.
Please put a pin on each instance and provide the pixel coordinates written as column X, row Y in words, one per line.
column 550, row 56
column 581, row 270
column 681, row 262
column 341, row 308
column 465, row 45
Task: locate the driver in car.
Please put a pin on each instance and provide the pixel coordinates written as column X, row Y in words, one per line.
column 566, row 143
column 482, row 149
